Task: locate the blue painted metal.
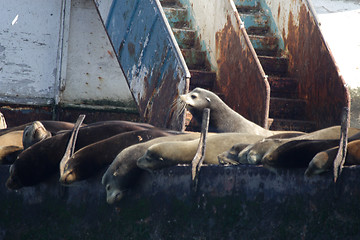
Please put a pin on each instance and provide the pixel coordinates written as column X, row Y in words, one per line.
column 149, row 56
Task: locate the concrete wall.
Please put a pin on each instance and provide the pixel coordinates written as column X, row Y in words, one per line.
column 233, row 203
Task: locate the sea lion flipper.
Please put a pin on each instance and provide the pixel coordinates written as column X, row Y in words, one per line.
column 71, row 143
column 200, row 153
column 340, row 157
column 3, row 124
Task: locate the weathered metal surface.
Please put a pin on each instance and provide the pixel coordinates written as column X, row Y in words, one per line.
column 93, row 75
column 231, row 55
column 50, row 61
column 311, row 61
column 29, row 34
column 150, row 57
column 244, row 202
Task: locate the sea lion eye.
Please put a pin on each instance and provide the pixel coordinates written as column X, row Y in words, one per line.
column 193, row 96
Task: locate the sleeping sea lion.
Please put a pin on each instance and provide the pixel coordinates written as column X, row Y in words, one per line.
column 12, row 142
column 89, row 160
column 34, row 133
column 41, row 160
column 253, row 154
column 324, row 161
column 299, row 153
column 167, row 154
column 123, row 172
column 51, row 126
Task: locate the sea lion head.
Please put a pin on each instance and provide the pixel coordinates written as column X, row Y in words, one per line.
column 34, row 133
column 231, row 156
column 197, row 100
column 13, row 182
column 113, row 193
column 68, row 177
column 157, row 157
column 319, row 164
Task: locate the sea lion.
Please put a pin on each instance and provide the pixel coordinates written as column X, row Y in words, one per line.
column 89, row 160
column 3, row 124
column 34, row 133
column 324, row 161
column 41, row 160
column 168, row 154
column 123, row 172
column 248, row 154
column 8, row 154
column 253, row 154
column 52, row 126
column 222, row 117
column 18, row 140
column 299, row 153
column 13, row 138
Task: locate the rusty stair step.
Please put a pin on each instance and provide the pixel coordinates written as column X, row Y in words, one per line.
column 247, row 7
column 259, row 19
column 291, row 125
column 287, row 108
column 258, row 30
column 277, row 66
column 186, row 38
column 170, row 3
column 195, row 59
column 283, row 87
column 265, row 45
column 177, row 17
column 203, row 79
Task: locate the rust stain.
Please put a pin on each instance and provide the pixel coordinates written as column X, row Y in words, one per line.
column 238, row 76
column 159, row 93
column 110, row 53
column 131, row 49
column 311, row 61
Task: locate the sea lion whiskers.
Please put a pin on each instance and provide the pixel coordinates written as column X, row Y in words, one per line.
column 178, row 106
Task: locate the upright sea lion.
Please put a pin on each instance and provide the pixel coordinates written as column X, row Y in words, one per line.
column 123, row 172
column 42, row 159
column 324, row 161
column 167, row 154
column 222, row 117
column 89, row 160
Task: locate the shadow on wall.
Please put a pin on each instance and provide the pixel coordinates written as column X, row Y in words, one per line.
column 355, row 107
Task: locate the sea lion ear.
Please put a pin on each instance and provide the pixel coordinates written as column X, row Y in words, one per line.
column 208, row 99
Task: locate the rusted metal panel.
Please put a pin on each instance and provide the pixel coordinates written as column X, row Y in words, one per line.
column 311, row 61
column 150, row 57
column 240, row 78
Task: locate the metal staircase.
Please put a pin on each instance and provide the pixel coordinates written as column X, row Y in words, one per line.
column 287, row 111
column 186, row 37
